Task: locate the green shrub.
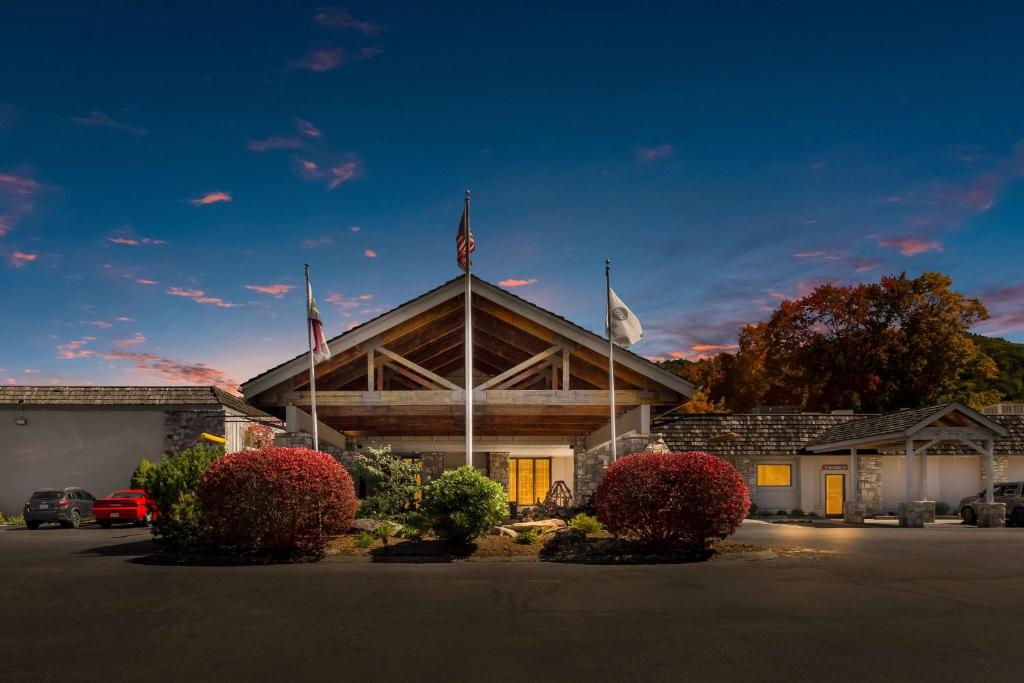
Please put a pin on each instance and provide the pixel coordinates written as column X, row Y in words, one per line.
column 14, row 520
column 463, row 504
column 585, row 523
column 173, row 484
column 781, row 513
column 796, row 512
column 384, row 532
column 942, row 508
column 812, row 514
column 140, row 477
column 394, row 484
column 364, row 539
column 528, row 537
column 753, row 509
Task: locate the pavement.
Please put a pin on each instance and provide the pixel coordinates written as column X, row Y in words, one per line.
column 942, row 603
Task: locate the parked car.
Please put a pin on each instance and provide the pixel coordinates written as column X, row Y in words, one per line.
column 68, row 506
column 125, row 506
column 1009, row 492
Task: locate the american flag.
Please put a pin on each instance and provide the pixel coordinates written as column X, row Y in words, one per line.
column 462, row 254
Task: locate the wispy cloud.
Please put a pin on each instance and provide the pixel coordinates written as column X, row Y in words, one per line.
column 135, row 340
column 1006, row 310
column 516, row 282
column 19, row 259
column 277, row 290
column 909, row 245
column 818, row 255
column 98, row 119
column 199, row 296
column 101, row 324
column 349, row 302
column 73, row 349
column 648, row 154
column 210, row 198
column 344, row 171
column 370, row 253
column 308, row 129
column 17, row 194
column 702, row 351
column 350, row 170
column 174, row 371
column 341, row 20
column 317, row 242
column 136, row 241
column 127, row 273
column 329, row 59
column 274, row 143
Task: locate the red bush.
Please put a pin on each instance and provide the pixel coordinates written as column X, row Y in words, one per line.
column 276, row 501
column 672, row 499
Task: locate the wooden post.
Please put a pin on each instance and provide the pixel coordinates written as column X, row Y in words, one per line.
column 370, row 353
column 910, row 470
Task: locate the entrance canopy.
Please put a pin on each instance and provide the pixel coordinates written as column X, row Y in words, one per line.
column 535, row 373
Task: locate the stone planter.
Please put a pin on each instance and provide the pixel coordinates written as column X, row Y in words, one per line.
column 991, row 514
column 913, row 515
column 854, row 512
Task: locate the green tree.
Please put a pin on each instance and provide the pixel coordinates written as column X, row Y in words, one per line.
column 173, row 484
column 394, row 484
column 141, row 474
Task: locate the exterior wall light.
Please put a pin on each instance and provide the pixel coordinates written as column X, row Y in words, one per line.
column 21, row 421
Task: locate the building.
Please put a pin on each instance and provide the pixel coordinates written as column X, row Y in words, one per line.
column 540, row 392
column 818, row 462
column 92, row 437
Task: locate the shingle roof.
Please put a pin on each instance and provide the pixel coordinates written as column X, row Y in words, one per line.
column 124, row 396
column 790, row 434
column 755, row 434
column 881, row 425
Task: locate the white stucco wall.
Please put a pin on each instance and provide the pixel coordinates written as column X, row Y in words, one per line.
column 958, row 476
column 812, row 478
column 779, row 497
column 1015, row 468
column 96, row 450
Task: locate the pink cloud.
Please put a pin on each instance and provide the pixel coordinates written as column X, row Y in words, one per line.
column 340, row 20
column 308, row 129
column 73, row 349
column 648, row 154
column 1006, row 308
column 144, row 281
column 16, row 199
column 134, row 242
column 370, row 253
column 5, row 225
column 124, row 319
column 98, row 119
column 277, row 291
column 818, row 255
column 124, row 240
column 864, row 265
column 175, row 371
column 347, row 303
column 350, row 170
column 199, row 296
column 211, row 198
column 703, row 351
column 356, row 228
column 190, row 293
column 322, row 61
column 101, row 324
column 513, row 282
column 273, row 143
column 19, row 259
column 911, row 246
column 134, row 340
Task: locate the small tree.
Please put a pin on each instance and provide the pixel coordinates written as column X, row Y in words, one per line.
column 173, row 485
column 258, row 436
column 140, row 476
column 395, row 484
column 463, row 504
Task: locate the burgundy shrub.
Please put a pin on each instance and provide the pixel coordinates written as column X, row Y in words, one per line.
column 665, row 500
column 276, row 502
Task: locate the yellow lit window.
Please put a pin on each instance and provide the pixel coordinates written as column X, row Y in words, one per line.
column 529, row 480
column 774, row 475
column 419, row 477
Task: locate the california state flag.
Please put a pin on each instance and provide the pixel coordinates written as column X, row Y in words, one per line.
column 318, row 343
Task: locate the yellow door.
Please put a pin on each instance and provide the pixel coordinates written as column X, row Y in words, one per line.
column 835, row 485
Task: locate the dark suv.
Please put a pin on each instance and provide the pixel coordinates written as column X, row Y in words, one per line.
column 69, row 507
column 1009, row 492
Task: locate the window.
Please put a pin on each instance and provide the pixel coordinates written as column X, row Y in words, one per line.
column 774, row 475
column 419, row 476
column 529, row 480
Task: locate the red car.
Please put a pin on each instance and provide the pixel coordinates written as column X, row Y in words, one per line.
column 130, row 506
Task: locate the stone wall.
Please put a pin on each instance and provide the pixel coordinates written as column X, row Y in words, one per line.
column 1000, row 468
column 183, row 427
column 497, row 468
column 869, row 483
column 589, row 466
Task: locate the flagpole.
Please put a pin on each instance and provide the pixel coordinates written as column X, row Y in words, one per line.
column 469, row 341
column 611, row 351
column 312, row 372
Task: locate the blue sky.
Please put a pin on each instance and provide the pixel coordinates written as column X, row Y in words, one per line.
column 166, row 169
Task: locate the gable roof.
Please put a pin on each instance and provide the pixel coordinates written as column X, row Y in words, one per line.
column 454, row 288
column 101, row 396
column 899, row 425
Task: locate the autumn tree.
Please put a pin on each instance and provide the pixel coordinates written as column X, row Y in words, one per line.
column 874, row 347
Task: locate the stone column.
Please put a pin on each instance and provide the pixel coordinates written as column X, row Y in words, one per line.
column 433, row 465
column 497, row 468
column 869, row 483
column 1000, row 466
column 748, row 470
column 588, row 470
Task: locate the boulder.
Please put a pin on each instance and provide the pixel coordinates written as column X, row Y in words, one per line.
column 372, row 524
column 502, row 531
column 541, row 525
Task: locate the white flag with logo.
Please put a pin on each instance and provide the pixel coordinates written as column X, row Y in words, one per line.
column 625, row 326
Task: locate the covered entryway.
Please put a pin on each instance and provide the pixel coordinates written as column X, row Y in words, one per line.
column 910, row 435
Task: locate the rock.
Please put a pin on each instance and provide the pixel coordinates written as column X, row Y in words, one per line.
column 371, row 525
column 541, row 525
column 502, row 531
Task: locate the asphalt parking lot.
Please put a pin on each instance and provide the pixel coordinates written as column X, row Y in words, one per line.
column 931, row 604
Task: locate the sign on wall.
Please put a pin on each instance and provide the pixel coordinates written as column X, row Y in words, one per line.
column 834, row 467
